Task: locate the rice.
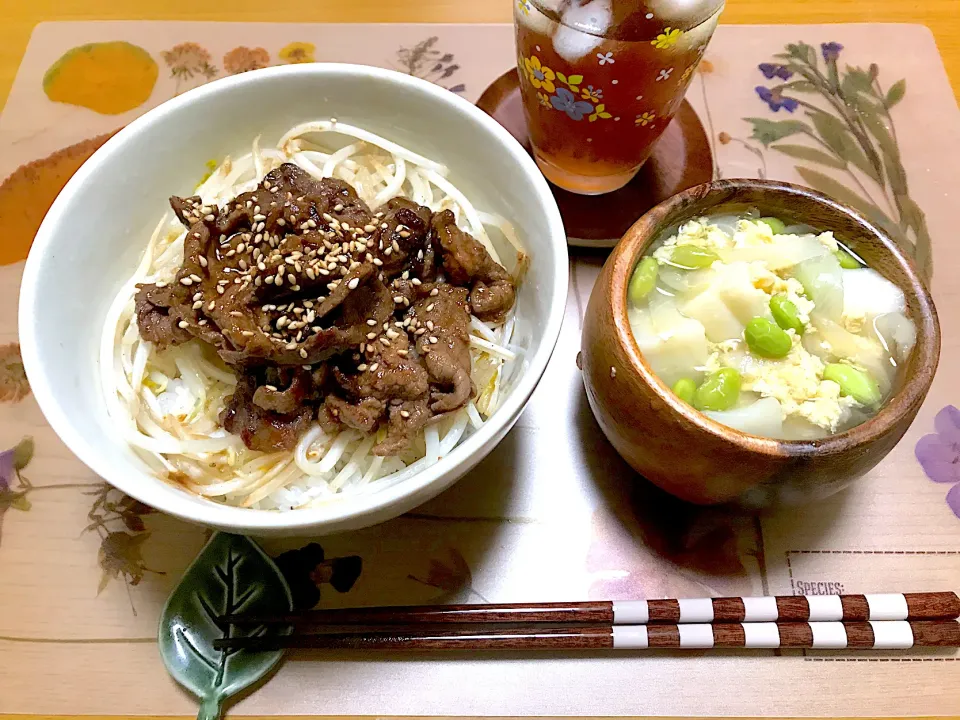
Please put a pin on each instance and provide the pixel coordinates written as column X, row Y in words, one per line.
column 166, row 404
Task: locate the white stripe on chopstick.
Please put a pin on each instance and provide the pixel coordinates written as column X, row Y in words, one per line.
column 795, row 608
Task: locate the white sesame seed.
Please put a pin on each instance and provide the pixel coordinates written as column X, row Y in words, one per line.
column 202, row 260
column 430, row 307
column 303, row 353
column 434, row 292
column 209, row 218
column 338, row 207
column 362, row 367
column 398, row 299
column 183, row 324
column 433, row 340
column 404, row 414
column 373, row 368
column 416, row 282
column 198, row 304
column 371, row 336
column 186, row 281
column 429, row 324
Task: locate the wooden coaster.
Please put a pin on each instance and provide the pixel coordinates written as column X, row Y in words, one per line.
column 681, row 159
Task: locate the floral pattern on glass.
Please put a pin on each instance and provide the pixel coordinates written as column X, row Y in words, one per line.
column 667, row 39
column 645, row 118
column 574, row 101
column 939, row 454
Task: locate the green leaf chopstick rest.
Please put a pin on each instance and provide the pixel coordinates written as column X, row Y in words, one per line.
column 231, row 575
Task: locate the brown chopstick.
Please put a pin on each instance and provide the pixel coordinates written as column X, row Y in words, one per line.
column 889, row 635
column 798, row 608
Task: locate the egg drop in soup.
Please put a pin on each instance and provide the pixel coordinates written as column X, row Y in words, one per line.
column 774, row 330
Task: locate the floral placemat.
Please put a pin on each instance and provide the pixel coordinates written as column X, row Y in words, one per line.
column 552, row 513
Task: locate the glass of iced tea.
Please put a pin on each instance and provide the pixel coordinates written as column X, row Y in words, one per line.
column 601, row 80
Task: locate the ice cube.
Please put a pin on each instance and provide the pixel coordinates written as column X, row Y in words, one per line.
column 582, row 29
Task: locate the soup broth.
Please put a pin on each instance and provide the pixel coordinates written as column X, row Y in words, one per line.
column 776, row 330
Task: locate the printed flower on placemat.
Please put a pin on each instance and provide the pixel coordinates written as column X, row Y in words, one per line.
column 14, row 488
column 843, row 133
column 423, row 60
column 13, row 379
column 523, row 6
column 605, row 58
column 664, row 74
column 452, row 575
column 830, row 50
column 775, row 99
column 645, row 118
column 121, row 549
column 544, row 99
column 939, row 454
column 772, row 70
column 667, row 39
column 243, row 59
column 187, row 60
column 298, row 52
column 541, row 77
column 565, row 101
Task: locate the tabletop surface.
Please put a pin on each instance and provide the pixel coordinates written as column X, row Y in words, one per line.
column 20, row 17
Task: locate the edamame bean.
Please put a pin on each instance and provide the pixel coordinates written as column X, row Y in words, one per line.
column 776, row 225
column 691, row 257
column 766, row 339
column 643, row 280
column 719, row 391
column 685, row 389
column 785, row 313
column 855, row 383
column 847, row 261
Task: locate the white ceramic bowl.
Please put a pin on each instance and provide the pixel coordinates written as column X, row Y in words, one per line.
column 97, row 229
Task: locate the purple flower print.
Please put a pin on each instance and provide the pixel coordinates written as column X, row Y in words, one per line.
column 939, row 454
column 830, row 50
column 565, row 101
column 7, row 472
column 770, row 71
column 775, row 99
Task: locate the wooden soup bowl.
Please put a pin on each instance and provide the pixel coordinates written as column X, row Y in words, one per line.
column 695, row 458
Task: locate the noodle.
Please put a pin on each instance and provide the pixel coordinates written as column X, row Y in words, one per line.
column 166, row 405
